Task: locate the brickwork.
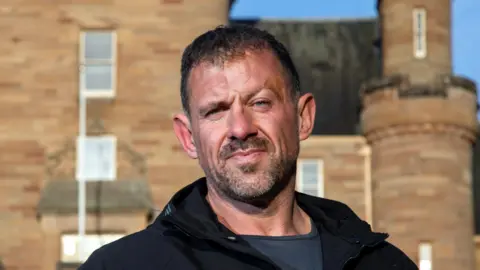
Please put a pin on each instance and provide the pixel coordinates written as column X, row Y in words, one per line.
column 39, row 112
column 433, row 172
column 346, row 167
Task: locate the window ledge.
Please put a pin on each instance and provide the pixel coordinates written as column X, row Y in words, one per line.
column 103, row 94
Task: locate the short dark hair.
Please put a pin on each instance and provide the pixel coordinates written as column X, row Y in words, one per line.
column 226, row 42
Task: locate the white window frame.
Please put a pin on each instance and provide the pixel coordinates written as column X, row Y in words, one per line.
column 81, row 175
column 425, row 256
column 103, row 93
column 70, row 244
column 320, row 176
column 419, row 33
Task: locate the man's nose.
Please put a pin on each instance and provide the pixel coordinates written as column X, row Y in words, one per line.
column 240, row 124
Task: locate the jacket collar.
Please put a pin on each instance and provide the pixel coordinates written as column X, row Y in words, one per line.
column 343, row 234
column 189, row 209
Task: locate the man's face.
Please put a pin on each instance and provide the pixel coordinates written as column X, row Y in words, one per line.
column 243, row 126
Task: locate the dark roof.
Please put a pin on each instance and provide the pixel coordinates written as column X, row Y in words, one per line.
column 476, row 183
column 333, row 59
column 60, row 197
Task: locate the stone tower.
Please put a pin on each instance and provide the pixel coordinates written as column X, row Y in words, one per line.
column 420, row 121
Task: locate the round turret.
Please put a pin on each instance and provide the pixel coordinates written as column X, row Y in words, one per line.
column 421, row 122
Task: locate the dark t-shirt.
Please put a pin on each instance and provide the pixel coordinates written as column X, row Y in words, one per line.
column 302, row 252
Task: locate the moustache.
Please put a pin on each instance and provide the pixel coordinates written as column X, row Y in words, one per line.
column 236, row 145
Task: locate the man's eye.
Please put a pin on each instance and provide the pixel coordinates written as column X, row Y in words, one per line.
column 262, row 103
column 211, row 112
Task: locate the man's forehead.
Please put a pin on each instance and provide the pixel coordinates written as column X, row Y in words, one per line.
column 207, row 76
column 259, row 66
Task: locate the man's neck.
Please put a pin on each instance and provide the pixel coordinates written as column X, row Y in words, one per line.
column 281, row 217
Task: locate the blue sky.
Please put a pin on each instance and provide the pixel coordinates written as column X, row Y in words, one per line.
column 465, row 22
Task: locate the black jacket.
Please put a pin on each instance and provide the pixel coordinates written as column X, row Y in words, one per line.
column 187, row 236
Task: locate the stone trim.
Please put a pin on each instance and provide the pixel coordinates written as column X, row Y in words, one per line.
column 406, row 89
column 422, row 90
column 425, row 128
column 329, row 140
column 462, row 82
column 377, row 84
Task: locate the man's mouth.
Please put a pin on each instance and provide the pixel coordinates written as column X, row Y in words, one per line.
column 246, row 153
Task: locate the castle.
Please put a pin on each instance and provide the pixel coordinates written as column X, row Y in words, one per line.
column 393, row 136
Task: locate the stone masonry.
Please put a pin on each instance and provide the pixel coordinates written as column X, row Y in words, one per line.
column 420, row 122
column 346, row 169
column 39, row 104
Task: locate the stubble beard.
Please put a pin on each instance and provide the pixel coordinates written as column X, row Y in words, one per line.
column 252, row 184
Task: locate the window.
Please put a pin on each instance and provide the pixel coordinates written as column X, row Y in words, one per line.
column 425, row 256
column 71, row 252
column 419, row 33
column 97, row 63
column 310, row 177
column 99, row 158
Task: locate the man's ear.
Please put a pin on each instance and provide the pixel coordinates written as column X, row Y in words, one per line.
column 182, row 128
column 306, row 115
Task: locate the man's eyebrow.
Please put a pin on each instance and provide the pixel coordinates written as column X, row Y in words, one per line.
column 204, row 109
column 249, row 95
column 265, row 87
column 275, row 85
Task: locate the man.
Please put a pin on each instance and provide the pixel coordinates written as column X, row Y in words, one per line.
column 244, row 118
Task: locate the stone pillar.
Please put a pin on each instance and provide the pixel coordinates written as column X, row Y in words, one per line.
column 421, row 122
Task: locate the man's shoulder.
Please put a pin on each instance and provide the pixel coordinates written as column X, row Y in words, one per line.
column 148, row 245
column 334, row 209
column 386, row 256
